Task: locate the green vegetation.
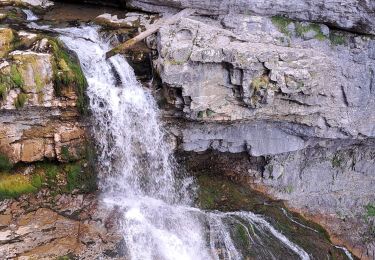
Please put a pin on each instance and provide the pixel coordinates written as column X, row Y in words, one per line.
column 5, row 164
column 206, row 113
column 73, row 177
column 11, row 80
column 16, row 42
column 200, row 114
column 67, row 257
column 289, row 189
column 59, row 178
column 242, row 235
column 337, row 39
column 210, row 112
column 16, row 76
column 282, row 23
column 65, row 153
column 3, row 91
column 12, row 186
column 301, row 29
column 260, row 83
column 37, row 181
column 68, row 73
column 336, row 161
column 370, row 210
column 15, row 15
column 51, row 172
column 20, row 101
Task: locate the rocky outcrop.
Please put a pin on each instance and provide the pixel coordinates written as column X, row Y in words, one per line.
column 45, row 227
column 298, row 94
column 39, row 100
column 349, row 15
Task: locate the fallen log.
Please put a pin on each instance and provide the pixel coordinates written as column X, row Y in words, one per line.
column 150, row 30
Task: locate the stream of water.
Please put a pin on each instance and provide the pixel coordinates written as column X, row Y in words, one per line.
column 141, row 178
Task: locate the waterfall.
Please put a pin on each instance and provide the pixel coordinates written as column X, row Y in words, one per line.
column 139, row 176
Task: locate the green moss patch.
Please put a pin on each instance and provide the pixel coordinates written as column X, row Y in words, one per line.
column 282, row 23
column 301, row 29
column 220, row 193
column 337, row 39
column 12, row 186
column 58, row 178
column 370, row 210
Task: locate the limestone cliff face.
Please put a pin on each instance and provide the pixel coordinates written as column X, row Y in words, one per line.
column 297, row 93
column 345, row 14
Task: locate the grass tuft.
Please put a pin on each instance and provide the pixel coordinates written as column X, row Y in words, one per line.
column 16, row 76
column 20, row 101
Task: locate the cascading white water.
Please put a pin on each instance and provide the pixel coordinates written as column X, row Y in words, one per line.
column 30, row 16
column 139, row 176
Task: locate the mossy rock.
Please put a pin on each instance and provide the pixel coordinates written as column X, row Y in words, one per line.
column 32, row 71
column 58, row 178
column 68, row 73
column 304, row 28
column 220, row 193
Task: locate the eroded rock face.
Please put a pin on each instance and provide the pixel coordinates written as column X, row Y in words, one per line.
column 351, row 15
column 45, row 227
column 334, row 186
column 37, row 122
